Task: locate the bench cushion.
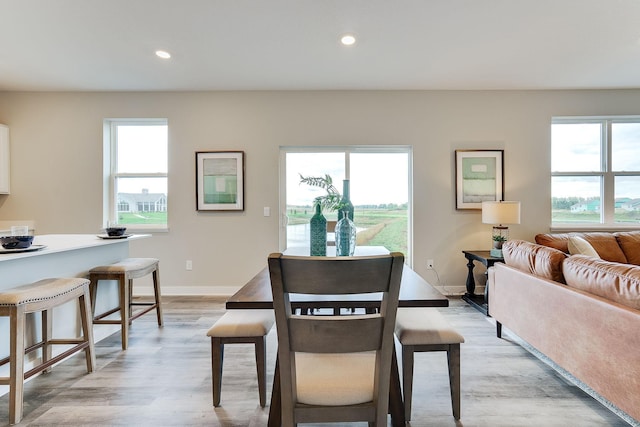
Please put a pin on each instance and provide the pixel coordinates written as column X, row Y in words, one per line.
column 424, row 326
column 243, row 323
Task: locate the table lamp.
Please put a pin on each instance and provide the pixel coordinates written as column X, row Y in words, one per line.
column 500, row 213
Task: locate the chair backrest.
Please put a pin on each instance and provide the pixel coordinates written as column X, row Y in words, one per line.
column 317, row 334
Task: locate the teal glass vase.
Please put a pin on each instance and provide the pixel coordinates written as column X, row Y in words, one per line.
column 345, row 202
column 318, row 233
column 345, row 235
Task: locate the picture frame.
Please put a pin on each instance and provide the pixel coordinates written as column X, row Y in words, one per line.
column 479, row 177
column 220, row 180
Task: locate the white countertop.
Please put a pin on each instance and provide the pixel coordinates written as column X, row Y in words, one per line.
column 66, row 242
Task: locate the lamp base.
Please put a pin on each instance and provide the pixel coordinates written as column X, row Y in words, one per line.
column 497, row 253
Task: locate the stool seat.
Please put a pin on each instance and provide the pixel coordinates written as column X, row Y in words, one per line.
column 41, row 291
column 124, row 272
column 240, row 327
column 423, row 330
column 42, row 296
column 132, row 267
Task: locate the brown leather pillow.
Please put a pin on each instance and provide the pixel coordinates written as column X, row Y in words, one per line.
column 557, row 241
column 534, row 259
column 611, row 280
column 606, row 245
column 629, row 242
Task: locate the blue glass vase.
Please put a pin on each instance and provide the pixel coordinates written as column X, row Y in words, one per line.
column 345, row 235
column 318, row 233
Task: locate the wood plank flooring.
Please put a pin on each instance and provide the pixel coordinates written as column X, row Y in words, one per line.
column 164, row 379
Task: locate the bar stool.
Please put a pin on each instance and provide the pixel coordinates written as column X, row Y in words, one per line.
column 240, row 327
column 41, row 296
column 124, row 272
column 422, row 330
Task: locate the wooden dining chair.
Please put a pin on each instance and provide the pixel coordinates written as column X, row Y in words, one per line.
column 335, row 368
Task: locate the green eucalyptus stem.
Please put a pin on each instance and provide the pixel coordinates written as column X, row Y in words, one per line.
column 329, row 202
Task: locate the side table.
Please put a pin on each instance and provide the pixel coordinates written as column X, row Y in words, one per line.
column 479, row 302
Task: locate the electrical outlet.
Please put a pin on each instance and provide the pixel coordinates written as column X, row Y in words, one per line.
column 189, row 265
column 430, row 264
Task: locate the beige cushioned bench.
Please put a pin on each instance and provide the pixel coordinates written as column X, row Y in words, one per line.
column 124, row 272
column 41, row 296
column 240, row 327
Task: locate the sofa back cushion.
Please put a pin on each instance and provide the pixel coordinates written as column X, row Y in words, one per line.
column 535, row 259
column 629, row 242
column 613, row 281
column 605, row 244
column 579, row 246
column 559, row 241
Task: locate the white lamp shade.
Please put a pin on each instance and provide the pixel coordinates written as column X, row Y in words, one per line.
column 501, row 212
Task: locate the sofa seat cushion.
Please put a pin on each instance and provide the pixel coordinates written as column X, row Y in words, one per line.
column 629, row 242
column 605, row 244
column 535, row 259
column 614, row 281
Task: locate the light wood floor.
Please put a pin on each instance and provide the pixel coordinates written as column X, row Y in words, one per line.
column 164, row 379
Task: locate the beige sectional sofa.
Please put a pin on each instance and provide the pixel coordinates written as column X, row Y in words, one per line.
column 580, row 311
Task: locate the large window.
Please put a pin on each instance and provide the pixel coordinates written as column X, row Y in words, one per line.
column 136, row 173
column 379, row 185
column 595, row 172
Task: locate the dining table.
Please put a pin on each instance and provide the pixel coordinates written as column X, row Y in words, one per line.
column 414, row 292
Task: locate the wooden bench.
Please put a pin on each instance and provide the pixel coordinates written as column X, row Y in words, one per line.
column 41, row 296
column 240, row 327
column 124, row 272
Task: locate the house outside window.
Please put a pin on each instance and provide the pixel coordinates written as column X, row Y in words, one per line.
column 136, row 165
column 595, row 172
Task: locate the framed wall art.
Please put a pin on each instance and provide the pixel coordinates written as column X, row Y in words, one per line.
column 479, row 177
column 220, row 180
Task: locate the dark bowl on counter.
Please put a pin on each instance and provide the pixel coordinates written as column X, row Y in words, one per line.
column 16, row 242
column 115, row 231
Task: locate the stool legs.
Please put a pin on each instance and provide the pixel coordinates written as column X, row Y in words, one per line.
column 156, row 291
column 17, row 351
column 217, row 357
column 453, row 358
column 407, row 379
column 124, row 289
column 16, row 362
column 125, row 302
column 261, row 368
column 87, row 330
column 453, row 362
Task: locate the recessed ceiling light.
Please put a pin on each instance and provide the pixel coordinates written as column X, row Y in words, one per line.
column 163, row 54
column 348, row 39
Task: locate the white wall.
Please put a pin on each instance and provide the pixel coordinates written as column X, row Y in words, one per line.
column 56, row 159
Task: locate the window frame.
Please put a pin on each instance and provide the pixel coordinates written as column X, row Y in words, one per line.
column 606, row 174
column 110, row 173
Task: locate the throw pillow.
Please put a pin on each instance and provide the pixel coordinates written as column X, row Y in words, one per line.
column 579, row 246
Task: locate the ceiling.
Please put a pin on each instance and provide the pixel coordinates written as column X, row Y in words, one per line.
column 98, row 45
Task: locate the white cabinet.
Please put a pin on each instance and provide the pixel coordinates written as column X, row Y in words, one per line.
column 5, row 160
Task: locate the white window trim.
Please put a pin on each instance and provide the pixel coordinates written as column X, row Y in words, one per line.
column 109, row 202
column 606, row 174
